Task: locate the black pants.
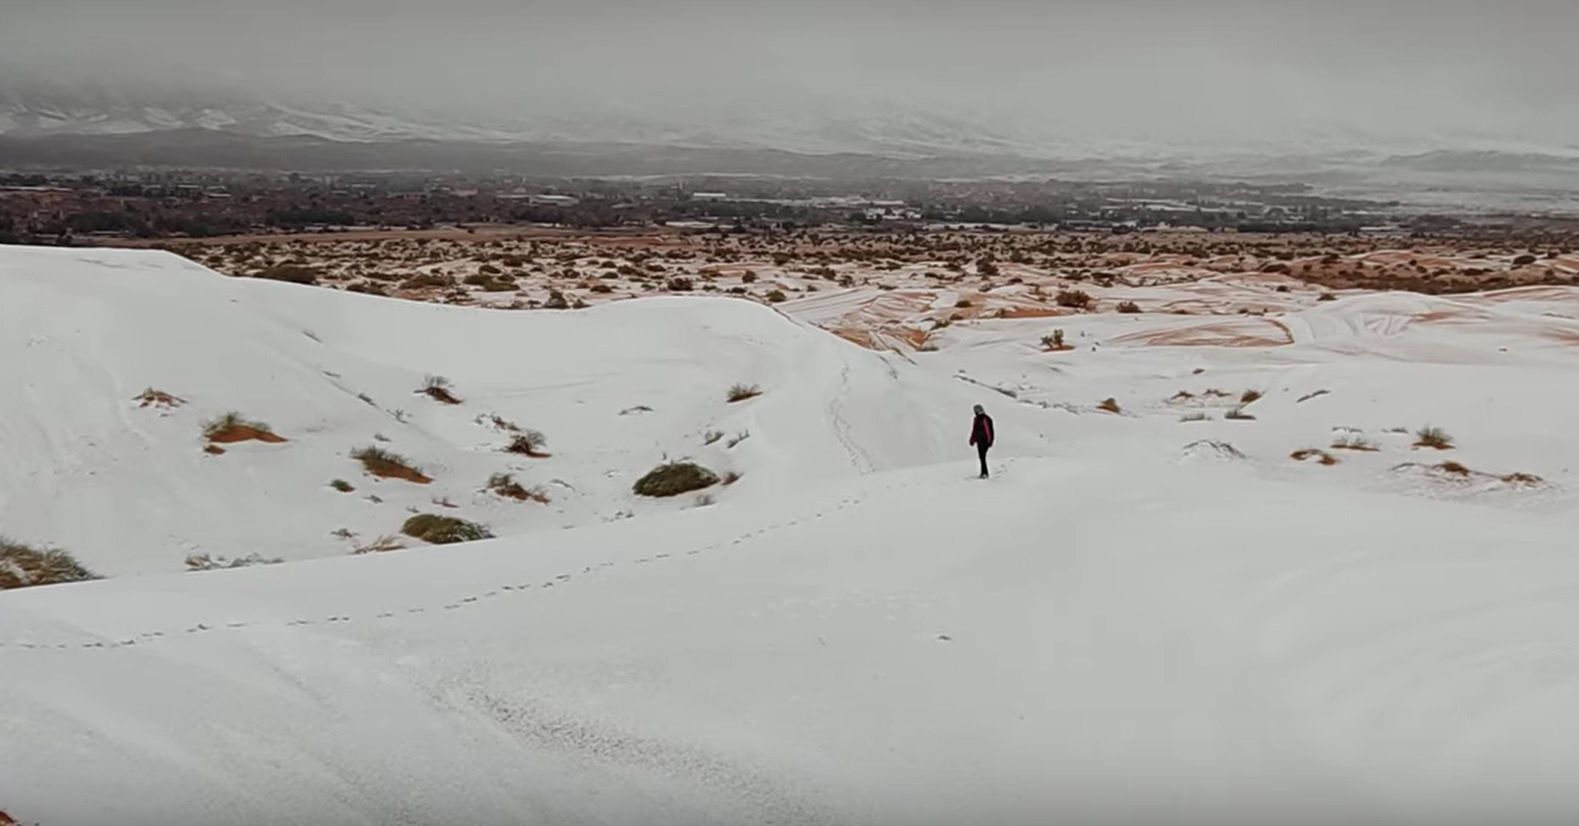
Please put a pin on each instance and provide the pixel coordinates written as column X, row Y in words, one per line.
column 981, row 452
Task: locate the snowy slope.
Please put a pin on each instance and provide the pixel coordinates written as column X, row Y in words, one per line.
column 129, row 489
column 1143, row 618
column 1082, row 641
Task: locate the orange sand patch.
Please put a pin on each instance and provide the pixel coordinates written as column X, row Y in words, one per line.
column 393, row 471
column 1031, row 312
column 1219, row 334
column 1564, row 335
column 244, row 433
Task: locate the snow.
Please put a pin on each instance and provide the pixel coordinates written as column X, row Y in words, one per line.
column 1130, row 623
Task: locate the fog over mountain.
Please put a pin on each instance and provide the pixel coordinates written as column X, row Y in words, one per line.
column 1062, row 78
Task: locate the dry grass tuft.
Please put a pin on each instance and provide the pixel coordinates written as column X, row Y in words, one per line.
column 528, row 442
column 1239, row 414
column 1321, row 456
column 1110, row 405
column 1433, row 437
column 504, row 484
column 341, row 485
column 388, row 465
column 742, row 392
column 1355, row 443
column 1454, row 468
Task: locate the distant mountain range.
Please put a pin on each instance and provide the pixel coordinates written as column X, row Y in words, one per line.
column 38, row 108
column 103, row 126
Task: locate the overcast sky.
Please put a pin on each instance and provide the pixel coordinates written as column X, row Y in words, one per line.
column 1141, row 69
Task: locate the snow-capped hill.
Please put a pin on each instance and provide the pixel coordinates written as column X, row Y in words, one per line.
column 131, row 485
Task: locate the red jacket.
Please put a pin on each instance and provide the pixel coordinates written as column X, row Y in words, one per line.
column 981, row 432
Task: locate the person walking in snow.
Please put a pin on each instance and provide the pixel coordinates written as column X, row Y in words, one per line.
column 981, row 435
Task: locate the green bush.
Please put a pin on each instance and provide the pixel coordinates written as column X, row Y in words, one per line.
column 22, row 566
column 443, row 530
column 675, row 478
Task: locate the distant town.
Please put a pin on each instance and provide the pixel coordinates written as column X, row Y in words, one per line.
column 81, row 208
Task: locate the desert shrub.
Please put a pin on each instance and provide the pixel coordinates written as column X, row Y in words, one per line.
column 712, row 436
column 367, row 288
column 1077, row 299
column 1110, row 405
column 437, row 388
column 556, row 301
column 1128, row 307
column 290, row 273
column 1454, row 468
column 731, row 477
column 1053, row 340
column 1527, row 479
column 1326, row 297
column 741, row 392
column 674, row 478
column 1524, row 260
column 1433, row 437
column 748, row 277
column 204, row 562
column 1239, row 414
column 341, row 485
column 776, row 296
column 737, row 439
column 527, row 442
column 680, row 285
column 1320, row 455
column 428, row 279
column 443, row 530
column 504, row 484
column 22, row 566
column 1250, row 397
column 381, row 462
column 963, row 302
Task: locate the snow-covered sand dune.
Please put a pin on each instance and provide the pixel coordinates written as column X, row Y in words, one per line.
column 1131, row 623
column 129, row 489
